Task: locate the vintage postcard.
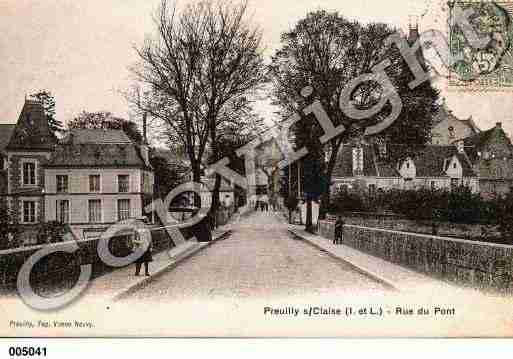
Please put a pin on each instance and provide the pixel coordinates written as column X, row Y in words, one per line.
column 232, row 168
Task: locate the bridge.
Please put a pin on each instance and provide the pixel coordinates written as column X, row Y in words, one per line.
column 260, row 259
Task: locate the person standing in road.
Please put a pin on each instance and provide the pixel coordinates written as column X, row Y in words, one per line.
column 140, row 238
column 339, row 231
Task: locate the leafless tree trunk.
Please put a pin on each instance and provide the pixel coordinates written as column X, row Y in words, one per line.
column 204, row 62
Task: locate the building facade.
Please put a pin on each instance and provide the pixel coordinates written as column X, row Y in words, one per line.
column 361, row 166
column 88, row 180
column 438, row 167
column 447, row 128
column 491, row 155
column 368, row 167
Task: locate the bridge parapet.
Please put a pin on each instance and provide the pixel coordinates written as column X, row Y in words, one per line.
column 471, row 263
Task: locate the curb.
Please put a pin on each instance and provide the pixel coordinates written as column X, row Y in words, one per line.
column 359, row 268
column 178, row 258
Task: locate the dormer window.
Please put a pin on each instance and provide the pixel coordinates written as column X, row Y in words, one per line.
column 451, row 132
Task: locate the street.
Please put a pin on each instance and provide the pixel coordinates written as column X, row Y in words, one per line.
column 259, row 260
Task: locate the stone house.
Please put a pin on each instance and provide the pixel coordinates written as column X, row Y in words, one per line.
column 438, row 167
column 447, row 128
column 363, row 166
column 89, row 180
column 491, row 155
column 369, row 167
column 5, row 135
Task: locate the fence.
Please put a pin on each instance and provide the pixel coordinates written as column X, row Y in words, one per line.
column 470, row 263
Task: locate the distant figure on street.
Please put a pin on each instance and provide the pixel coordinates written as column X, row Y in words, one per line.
column 140, row 238
column 339, row 231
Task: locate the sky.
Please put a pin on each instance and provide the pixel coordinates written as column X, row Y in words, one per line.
column 82, row 50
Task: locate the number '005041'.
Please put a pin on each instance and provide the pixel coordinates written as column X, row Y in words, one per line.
column 27, row 351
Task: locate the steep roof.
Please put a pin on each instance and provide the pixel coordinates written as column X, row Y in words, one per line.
column 432, row 161
column 372, row 165
column 31, row 131
column 6, row 131
column 445, row 113
column 96, row 148
column 98, row 136
column 480, row 139
column 475, row 144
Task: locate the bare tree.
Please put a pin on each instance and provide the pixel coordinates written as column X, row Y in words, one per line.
column 200, row 69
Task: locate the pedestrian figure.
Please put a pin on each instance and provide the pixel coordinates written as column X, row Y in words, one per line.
column 140, row 239
column 339, row 231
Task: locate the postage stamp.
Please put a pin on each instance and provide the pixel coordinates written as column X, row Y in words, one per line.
column 488, row 67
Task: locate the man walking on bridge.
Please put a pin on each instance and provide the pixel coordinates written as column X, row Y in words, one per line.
column 339, row 231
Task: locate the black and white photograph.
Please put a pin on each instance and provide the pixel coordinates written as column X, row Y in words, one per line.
column 256, row 169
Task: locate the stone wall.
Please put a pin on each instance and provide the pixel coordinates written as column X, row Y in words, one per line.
column 469, row 263
column 61, row 269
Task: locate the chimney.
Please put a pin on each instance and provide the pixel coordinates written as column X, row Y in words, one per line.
column 145, row 127
column 145, row 151
column 498, row 125
column 414, row 34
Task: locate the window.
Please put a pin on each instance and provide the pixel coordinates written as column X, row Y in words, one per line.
column 498, row 172
column 123, row 209
column 95, row 211
column 123, row 183
column 63, row 211
column 454, row 165
column 62, row 184
column 29, row 212
column 454, row 183
column 94, row 183
column 29, row 173
column 433, row 185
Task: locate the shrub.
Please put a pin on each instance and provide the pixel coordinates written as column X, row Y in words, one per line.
column 458, row 206
column 344, row 200
column 9, row 228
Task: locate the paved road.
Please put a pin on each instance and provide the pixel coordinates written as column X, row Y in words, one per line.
column 259, row 260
